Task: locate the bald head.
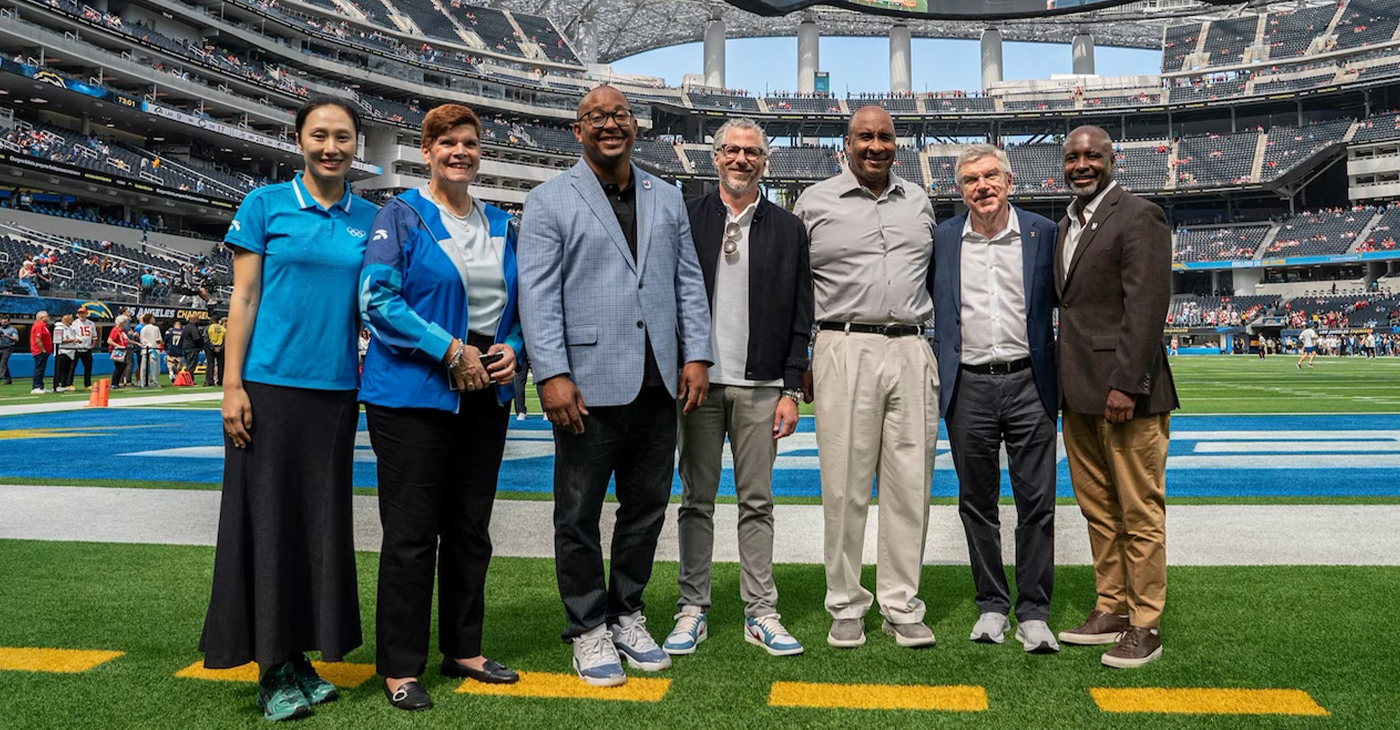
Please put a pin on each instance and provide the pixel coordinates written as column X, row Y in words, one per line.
column 603, row 96
column 1088, row 160
column 606, row 129
column 870, row 147
column 1092, row 134
column 871, row 114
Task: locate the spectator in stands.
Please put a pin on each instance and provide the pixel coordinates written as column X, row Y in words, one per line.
column 117, row 345
column 65, row 348
column 9, row 337
column 298, row 247
column 992, row 284
column 148, row 283
column 26, row 278
column 214, row 353
column 436, row 290
column 1114, row 274
column 609, row 386
column 151, row 344
column 754, row 256
column 40, row 345
column 86, row 332
column 872, row 240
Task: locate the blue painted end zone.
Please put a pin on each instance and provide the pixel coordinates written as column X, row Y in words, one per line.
column 1210, row 456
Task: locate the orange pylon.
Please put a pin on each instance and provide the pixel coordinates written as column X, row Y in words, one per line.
column 98, row 398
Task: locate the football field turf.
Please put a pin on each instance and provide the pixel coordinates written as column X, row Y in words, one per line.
column 1307, row 646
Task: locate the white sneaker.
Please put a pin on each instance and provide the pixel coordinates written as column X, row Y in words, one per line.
column 520, row 416
column 630, row 638
column 691, row 629
column 768, row 632
column 1036, row 637
column 596, row 660
column 38, row 391
column 990, row 628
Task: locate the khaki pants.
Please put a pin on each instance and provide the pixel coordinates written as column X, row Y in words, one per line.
column 1119, row 477
column 877, row 417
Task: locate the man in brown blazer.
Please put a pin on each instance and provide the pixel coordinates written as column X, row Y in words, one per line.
column 1112, row 270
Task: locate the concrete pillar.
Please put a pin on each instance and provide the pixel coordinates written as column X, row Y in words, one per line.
column 808, row 38
column 991, row 57
column 900, row 64
column 1082, row 52
column 714, row 52
column 586, row 40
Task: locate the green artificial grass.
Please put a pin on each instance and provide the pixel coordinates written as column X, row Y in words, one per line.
column 1308, row 628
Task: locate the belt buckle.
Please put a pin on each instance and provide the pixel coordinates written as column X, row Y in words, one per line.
column 999, row 368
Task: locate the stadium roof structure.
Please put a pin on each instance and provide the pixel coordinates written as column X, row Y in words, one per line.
column 628, row 27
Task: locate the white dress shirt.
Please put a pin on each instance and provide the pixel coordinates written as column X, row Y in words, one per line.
column 1075, row 229
column 993, row 288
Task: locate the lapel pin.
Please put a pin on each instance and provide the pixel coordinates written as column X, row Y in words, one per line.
column 1094, row 226
column 646, row 185
column 1032, row 234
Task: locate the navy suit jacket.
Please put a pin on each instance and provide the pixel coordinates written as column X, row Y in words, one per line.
column 945, row 286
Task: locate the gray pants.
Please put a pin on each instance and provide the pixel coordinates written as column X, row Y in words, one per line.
column 988, row 410
column 746, row 415
column 5, row 365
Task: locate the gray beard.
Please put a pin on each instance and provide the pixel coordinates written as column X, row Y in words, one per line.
column 735, row 190
column 1085, row 190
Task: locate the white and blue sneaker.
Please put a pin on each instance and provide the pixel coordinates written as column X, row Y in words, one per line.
column 630, row 638
column 596, row 660
column 768, row 632
column 691, row 629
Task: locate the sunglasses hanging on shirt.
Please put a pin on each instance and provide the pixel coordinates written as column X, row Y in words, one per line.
column 731, row 240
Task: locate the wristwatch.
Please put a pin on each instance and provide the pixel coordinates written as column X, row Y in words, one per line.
column 795, row 395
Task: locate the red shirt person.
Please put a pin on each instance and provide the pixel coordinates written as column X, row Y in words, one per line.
column 40, row 344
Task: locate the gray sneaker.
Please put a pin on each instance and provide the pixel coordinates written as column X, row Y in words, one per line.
column 596, row 660
column 990, row 628
column 1036, row 637
column 633, row 642
column 910, row 636
column 846, row 633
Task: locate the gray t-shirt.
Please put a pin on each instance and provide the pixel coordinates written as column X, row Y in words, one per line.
column 9, row 337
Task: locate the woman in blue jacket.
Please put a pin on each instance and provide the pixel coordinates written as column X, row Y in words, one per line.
column 438, row 294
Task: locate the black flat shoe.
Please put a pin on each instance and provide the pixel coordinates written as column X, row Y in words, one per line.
column 491, row 672
column 410, row 696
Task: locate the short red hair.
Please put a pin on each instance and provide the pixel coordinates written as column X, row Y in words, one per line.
column 443, row 118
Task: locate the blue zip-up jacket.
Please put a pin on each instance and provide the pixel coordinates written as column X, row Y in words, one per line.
column 412, row 300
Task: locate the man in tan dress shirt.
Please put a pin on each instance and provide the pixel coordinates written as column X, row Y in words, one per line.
column 876, row 381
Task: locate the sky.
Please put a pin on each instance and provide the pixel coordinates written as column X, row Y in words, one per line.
column 862, row 64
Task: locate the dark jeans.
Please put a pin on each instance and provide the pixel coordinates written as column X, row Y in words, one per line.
column 437, row 481
column 5, row 365
column 636, row 444
column 118, row 368
column 40, row 361
column 84, row 357
column 213, row 366
column 62, row 370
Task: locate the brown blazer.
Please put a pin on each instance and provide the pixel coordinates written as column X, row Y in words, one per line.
column 1113, row 307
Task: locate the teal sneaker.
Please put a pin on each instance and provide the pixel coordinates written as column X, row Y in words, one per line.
column 317, row 690
column 279, row 697
column 691, row 629
column 768, row 632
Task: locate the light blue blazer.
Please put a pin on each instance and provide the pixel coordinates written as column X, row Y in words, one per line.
column 586, row 306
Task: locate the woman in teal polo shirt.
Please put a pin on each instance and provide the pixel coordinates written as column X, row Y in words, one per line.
column 284, row 568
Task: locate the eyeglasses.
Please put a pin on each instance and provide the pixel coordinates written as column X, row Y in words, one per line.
column 732, row 151
column 597, row 119
column 991, row 176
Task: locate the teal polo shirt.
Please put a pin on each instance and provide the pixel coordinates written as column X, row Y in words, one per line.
column 306, row 330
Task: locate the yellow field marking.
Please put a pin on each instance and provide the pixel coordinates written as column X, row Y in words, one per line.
column 53, row 660
column 956, row 698
column 340, row 674
column 1207, row 701
column 569, row 686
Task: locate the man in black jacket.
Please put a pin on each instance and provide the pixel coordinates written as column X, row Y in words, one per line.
column 754, row 256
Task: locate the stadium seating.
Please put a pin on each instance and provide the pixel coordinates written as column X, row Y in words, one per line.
column 1378, row 127
column 492, row 26
column 1321, row 233
column 1288, row 146
column 1216, row 159
column 906, row 165
column 428, row 19
column 1112, row 101
column 1367, row 22
column 735, row 102
column 808, row 104
column 1037, row 104
column 1142, row 168
column 659, row 153
column 1226, row 243
column 543, row 33
column 894, row 105
column 1205, row 91
column 1288, row 33
column 1212, row 311
column 1264, row 86
column 1226, row 40
column 1385, row 234
column 1180, row 42
column 804, row 163
column 1037, row 168
column 952, row 104
column 944, row 175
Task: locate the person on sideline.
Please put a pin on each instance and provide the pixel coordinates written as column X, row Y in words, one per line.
column 616, row 328
column 759, row 332
column 117, row 344
column 65, row 353
column 993, row 301
column 214, row 353
column 1307, row 344
column 9, row 337
column 1113, row 271
column 290, row 416
column 438, row 293
column 85, row 330
column 151, row 344
column 876, row 381
column 40, row 345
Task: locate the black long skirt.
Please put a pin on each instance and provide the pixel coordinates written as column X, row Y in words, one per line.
column 284, row 568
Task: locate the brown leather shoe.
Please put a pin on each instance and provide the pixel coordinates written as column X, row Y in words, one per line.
column 1136, row 647
column 1099, row 628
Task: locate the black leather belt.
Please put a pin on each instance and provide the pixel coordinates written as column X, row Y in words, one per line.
column 888, row 330
column 999, row 368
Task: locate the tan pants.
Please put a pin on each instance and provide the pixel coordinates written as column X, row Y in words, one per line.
column 877, row 416
column 1119, row 477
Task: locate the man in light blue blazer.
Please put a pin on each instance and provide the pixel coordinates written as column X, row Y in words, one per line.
column 993, row 297
column 617, row 324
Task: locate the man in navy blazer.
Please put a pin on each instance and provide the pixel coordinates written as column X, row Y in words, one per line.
column 617, row 324
column 993, row 296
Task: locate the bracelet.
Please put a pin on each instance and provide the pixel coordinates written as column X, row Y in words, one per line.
column 456, row 359
column 795, row 395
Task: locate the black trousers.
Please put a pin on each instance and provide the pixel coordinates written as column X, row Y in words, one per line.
column 437, row 483
column 118, row 368
column 84, row 357
column 636, row 445
column 62, row 370
column 987, row 411
column 213, row 366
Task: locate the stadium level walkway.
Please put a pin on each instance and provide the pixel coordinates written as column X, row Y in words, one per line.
column 1212, row 534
